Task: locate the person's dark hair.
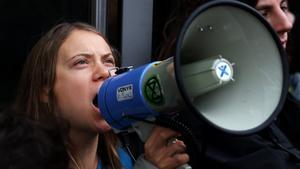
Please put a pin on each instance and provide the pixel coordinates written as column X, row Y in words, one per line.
column 251, row 3
column 25, row 143
column 38, row 77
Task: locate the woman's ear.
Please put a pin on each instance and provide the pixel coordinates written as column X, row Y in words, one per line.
column 45, row 95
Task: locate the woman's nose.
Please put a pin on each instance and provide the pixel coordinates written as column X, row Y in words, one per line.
column 101, row 72
column 282, row 22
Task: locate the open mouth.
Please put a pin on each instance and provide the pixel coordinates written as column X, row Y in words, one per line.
column 95, row 101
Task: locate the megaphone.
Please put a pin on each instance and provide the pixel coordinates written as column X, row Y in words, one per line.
column 229, row 68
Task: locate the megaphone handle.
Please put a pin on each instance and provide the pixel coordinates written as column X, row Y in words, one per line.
column 144, row 129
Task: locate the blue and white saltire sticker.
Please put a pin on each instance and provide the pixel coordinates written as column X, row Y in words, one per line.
column 223, row 70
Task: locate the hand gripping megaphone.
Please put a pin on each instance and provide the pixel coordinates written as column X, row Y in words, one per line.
column 229, row 68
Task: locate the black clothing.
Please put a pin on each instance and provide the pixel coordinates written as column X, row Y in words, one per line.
column 254, row 152
column 289, row 120
column 268, row 149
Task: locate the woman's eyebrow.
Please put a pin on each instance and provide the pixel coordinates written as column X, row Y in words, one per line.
column 263, row 6
column 106, row 55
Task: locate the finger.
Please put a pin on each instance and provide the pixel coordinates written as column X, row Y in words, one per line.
column 180, row 159
column 170, row 156
column 173, row 162
column 175, row 148
column 164, row 133
column 159, row 136
column 156, row 148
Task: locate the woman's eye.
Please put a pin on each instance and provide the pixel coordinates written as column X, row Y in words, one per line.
column 263, row 12
column 80, row 62
column 284, row 6
column 110, row 61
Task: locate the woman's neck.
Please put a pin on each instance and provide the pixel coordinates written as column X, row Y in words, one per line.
column 84, row 150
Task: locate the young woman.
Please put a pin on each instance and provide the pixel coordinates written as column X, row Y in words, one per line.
column 61, row 77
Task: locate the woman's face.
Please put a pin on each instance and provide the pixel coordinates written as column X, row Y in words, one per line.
column 82, row 66
column 277, row 14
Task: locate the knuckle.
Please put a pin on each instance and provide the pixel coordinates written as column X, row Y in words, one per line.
column 180, row 159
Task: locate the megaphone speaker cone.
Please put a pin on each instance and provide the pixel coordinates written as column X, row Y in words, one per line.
column 258, row 86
